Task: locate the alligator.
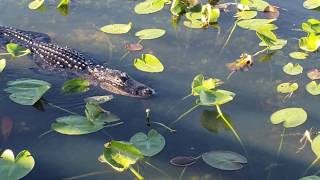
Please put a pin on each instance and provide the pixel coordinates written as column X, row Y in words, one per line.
column 52, row 57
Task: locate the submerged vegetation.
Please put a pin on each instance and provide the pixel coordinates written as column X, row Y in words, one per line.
column 208, row 92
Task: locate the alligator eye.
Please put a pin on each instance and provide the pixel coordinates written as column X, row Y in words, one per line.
column 123, row 78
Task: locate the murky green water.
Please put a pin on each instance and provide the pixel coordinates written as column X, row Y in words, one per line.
column 184, row 53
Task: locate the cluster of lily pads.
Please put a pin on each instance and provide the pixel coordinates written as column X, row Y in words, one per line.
column 62, row 7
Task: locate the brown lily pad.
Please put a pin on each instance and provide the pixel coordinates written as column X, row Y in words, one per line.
column 134, row 47
column 183, row 161
column 314, row 74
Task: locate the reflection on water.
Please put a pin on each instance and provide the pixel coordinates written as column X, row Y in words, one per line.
column 185, row 53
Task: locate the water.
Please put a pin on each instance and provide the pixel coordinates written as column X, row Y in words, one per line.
column 185, row 53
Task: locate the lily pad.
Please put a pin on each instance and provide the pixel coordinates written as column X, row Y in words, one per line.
column 178, row 7
column 276, row 45
column 290, row 117
column 292, row 69
column 149, row 6
column 36, row 4
column 134, row 47
column 287, row 87
column 150, row 33
column 257, row 24
column 298, row 55
column 199, row 83
column 311, row 4
column 241, row 15
column 116, row 28
column 12, row 168
column 310, row 178
column 77, row 85
column 315, row 146
column 98, row 99
column 121, row 155
column 313, row 88
column 310, row 43
column 194, row 24
column 27, row 91
column 314, row 74
column 183, row 161
column 215, row 97
column 17, row 51
column 148, row 63
column 150, row 144
column 224, row 160
column 311, row 26
column 2, row 64
column 193, row 15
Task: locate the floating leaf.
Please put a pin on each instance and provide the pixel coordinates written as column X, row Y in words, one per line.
column 257, row 24
column 134, row 47
column 77, row 85
column 17, row 51
column 241, row 15
column 26, row 91
column 98, row 99
column 183, row 161
column 36, row 4
column 290, row 117
column 310, row 43
column 311, row 26
column 311, row 4
column 178, row 7
column 292, row 69
column 121, row 155
column 287, row 87
column 315, row 146
column 310, row 178
column 12, row 168
column 116, row 28
column 193, row 15
column 277, row 44
column 314, row 74
column 209, row 14
column 199, row 83
column 148, row 63
column 313, row 88
column 150, row 33
column 298, row 55
column 267, row 37
column 260, row 5
column 150, row 144
column 215, row 97
column 149, row 6
column 63, row 3
column 194, row 24
column 224, row 160
column 2, row 64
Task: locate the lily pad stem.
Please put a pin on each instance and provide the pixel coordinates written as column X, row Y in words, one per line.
column 184, row 114
column 261, row 51
column 229, row 36
column 311, row 165
column 136, row 173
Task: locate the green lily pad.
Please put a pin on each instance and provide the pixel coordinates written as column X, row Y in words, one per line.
column 260, row 5
column 116, row 28
column 311, row 4
column 98, row 99
column 209, row 14
column 150, row 33
column 267, row 37
column 36, row 4
column 313, row 88
column 310, row 178
column 26, row 91
column 215, row 97
column 287, row 87
column 150, row 144
column 200, row 83
column 310, row 43
column 311, row 26
column 193, row 15
column 290, row 117
column 276, row 45
column 315, row 145
column 12, row 168
column 77, row 85
column 242, row 15
column 177, row 7
column 63, row 3
column 194, row 24
column 121, row 155
column 17, row 51
column 298, row 55
column 257, row 24
column 224, row 160
column 292, row 69
column 148, row 63
column 149, row 6
column 2, row 64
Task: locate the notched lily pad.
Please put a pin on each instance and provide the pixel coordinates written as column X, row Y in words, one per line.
column 292, row 69
column 148, row 63
column 298, row 55
column 150, row 33
column 290, row 117
column 12, row 168
column 116, row 28
column 134, row 47
column 183, row 161
column 287, row 87
column 149, row 6
column 313, row 88
column 150, row 144
column 224, row 160
column 314, row 74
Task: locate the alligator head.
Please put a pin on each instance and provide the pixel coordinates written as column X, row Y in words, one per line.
column 119, row 82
